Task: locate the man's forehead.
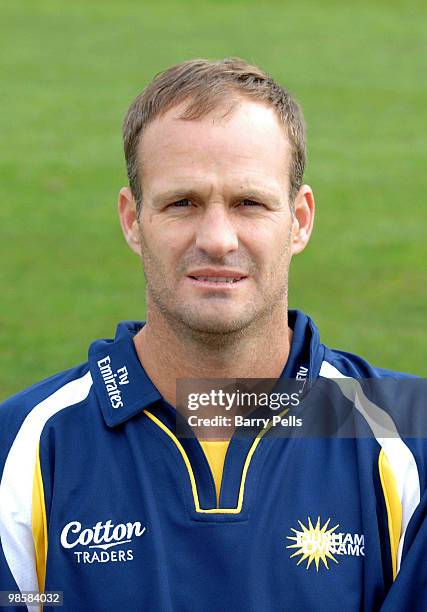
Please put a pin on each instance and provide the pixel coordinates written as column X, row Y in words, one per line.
column 245, row 123
column 249, row 145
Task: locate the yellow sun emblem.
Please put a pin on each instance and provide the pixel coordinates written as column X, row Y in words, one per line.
column 314, row 543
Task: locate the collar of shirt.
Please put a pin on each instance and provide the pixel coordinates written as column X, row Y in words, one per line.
column 124, row 389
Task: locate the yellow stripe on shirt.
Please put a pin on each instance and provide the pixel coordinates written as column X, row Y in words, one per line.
column 393, row 505
column 192, row 478
column 38, row 523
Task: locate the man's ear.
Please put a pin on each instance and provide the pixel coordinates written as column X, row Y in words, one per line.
column 303, row 219
column 128, row 219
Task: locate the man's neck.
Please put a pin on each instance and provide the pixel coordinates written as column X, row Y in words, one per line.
column 167, row 355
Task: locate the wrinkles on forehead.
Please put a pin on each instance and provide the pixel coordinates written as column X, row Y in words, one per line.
column 247, row 148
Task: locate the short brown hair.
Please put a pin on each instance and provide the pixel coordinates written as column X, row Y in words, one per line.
column 206, row 85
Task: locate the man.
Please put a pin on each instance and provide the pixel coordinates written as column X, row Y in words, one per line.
column 101, row 499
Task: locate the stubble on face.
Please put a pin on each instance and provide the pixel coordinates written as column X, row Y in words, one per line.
column 217, row 159
column 187, row 320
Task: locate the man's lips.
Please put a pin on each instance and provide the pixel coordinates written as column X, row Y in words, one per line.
column 216, row 278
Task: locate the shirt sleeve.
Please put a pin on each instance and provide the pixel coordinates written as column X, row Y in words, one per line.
column 19, row 503
column 409, row 590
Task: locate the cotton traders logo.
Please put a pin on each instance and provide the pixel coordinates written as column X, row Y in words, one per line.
column 93, row 544
column 316, row 543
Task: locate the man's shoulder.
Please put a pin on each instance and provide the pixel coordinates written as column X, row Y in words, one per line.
column 41, row 400
column 378, row 392
column 338, row 363
column 41, row 390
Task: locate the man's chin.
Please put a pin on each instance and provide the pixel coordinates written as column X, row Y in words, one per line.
column 215, row 325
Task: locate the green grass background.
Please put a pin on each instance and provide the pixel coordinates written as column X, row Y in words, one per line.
column 68, row 72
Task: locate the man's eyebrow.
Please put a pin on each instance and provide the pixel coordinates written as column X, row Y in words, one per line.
column 173, row 195
column 258, row 194
column 250, row 193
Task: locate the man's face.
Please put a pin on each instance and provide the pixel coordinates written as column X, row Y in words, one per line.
column 215, row 206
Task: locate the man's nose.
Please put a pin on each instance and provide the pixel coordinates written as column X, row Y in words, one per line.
column 216, row 233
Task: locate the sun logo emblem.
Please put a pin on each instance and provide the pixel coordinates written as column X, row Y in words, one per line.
column 314, row 543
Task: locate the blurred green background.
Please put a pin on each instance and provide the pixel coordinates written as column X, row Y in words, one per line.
column 68, row 74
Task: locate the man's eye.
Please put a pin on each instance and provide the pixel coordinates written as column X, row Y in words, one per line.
column 183, row 202
column 250, row 203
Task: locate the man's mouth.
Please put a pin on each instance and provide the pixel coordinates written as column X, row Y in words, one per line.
column 217, row 282
column 217, row 279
